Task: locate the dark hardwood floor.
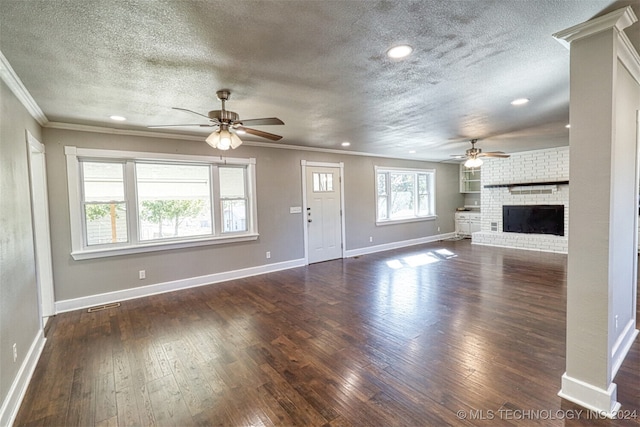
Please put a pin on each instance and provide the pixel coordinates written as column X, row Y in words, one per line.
column 475, row 339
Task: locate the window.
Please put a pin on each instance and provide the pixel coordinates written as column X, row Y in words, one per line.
column 126, row 202
column 174, row 200
column 233, row 199
column 103, row 205
column 322, row 182
column 404, row 195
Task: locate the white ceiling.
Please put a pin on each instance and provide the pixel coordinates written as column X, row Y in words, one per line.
column 320, row 66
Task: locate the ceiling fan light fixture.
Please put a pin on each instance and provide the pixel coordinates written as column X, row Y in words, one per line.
column 235, row 141
column 214, row 140
column 223, row 139
column 473, row 162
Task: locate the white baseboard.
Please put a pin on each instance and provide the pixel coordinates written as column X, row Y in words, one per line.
column 12, row 401
column 397, row 245
column 159, row 288
column 590, row 396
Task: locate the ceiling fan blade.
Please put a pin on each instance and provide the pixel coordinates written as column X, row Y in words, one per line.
column 494, row 154
column 262, row 122
column 184, row 125
column 190, row 111
column 260, row 133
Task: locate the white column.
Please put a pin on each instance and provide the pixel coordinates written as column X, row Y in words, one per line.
column 603, row 195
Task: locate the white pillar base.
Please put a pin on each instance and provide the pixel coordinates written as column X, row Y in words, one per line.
column 590, row 397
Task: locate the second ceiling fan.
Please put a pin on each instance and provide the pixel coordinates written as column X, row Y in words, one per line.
column 473, row 155
column 228, row 125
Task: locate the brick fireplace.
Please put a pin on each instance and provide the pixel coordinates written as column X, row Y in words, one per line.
column 528, row 178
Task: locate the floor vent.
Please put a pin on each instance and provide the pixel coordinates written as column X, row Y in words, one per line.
column 103, row 307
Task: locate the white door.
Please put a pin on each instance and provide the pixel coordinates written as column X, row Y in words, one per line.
column 40, row 219
column 323, row 215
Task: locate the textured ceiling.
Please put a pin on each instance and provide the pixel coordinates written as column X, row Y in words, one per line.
column 320, row 66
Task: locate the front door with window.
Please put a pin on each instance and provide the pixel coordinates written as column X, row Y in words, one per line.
column 323, row 215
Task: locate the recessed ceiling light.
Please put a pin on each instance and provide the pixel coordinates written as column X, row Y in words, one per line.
column 520, row 101
column 346, row 144
column 412, row 152
column 118, row 118
column 568, row 126
column 400, row 51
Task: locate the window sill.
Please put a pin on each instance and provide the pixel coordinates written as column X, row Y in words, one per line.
column 406, row 220
column 159, row 246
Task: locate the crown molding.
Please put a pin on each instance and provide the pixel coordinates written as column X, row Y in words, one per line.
column 117, row 131
column 165, row 135
column 16, row 86
column 618, row 19
column 629, row 56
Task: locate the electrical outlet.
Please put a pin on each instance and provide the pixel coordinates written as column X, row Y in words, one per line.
column 268, row 254
column 616, row 318
column 142, row 274
column 370, row 239
column 15, row 352
column 438, row 229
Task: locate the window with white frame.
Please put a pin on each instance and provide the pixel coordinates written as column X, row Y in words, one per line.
column 404, row 194
column 127, row 202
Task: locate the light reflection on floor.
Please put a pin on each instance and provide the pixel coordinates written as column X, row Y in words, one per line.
column 446, row 253
column 421, row 259
column 406, row 290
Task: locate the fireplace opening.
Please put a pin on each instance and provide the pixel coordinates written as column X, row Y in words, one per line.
column 537, row 219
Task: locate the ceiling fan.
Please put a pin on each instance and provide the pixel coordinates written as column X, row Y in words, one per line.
column 228, row 125
column 473, row 155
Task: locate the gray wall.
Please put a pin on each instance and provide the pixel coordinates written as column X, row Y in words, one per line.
column 278, row 176
column 19, row 322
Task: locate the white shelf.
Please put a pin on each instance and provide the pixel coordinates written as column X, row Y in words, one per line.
column 469, row 179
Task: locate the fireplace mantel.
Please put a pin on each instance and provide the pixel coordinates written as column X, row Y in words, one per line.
column 526, row 184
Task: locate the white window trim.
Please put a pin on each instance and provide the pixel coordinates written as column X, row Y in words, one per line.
column 80, row 252
column 378, row 169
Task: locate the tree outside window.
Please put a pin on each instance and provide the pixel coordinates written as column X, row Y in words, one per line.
column 174, row 200
column 175, row 211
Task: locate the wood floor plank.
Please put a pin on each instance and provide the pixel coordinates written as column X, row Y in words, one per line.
column 127, row 407
column 81, row 411
column 105, row 391
column 111, row 422
column 196, row 391
column 298, row 409
column 348, row 342
column 169, row 407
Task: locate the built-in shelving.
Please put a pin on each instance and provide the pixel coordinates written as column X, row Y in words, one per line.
column 526, row 184
column 469, row 179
